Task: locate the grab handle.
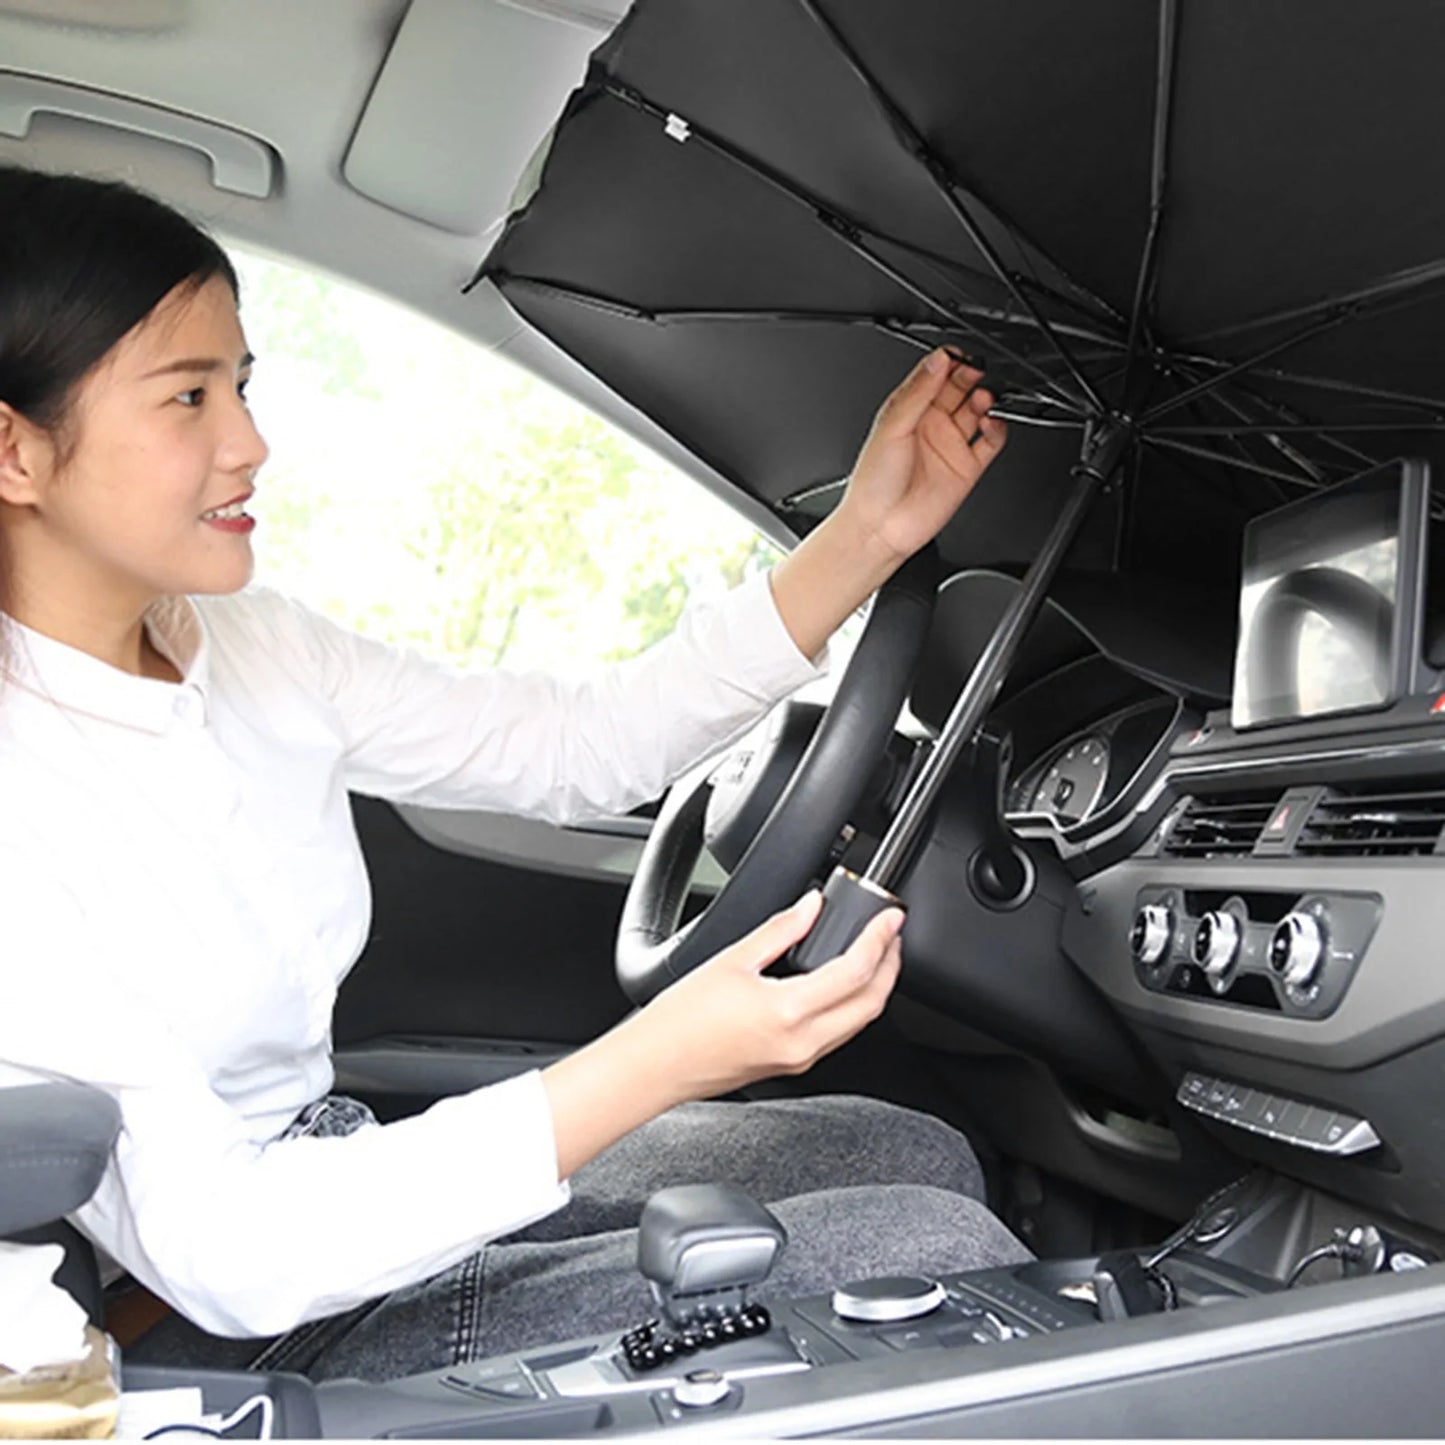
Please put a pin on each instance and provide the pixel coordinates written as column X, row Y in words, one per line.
column 239, row 163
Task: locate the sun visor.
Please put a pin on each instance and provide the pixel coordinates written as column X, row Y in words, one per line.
column 459, row 70
column 1182, row 642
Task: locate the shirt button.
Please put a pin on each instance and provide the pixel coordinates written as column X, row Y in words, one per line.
column 188, row 705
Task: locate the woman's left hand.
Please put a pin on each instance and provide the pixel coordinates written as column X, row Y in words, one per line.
column 930, row 443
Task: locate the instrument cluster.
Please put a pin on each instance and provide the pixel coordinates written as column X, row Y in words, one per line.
column 1078, row 778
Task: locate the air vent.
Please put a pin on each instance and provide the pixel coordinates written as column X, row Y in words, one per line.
column 1352, row 822
column 1222, row 826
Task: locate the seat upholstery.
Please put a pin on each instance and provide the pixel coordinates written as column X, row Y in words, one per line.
column 54, row 1142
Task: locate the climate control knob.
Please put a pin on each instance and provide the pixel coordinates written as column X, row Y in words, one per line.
column 1216, row 943
column 1297, row 949
column 1149, row 937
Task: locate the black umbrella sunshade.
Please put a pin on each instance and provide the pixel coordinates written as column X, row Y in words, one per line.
column 1218, row 224
column 1200, row 245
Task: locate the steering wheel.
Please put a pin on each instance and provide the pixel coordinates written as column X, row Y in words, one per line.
column 794, row 839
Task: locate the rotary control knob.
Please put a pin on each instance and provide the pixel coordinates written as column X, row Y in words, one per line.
column 1149, row 937
column 700, row 1388
column 1297, row 949
column 1216, row 943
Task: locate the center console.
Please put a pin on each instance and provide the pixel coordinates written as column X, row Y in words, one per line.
column 1030, row 1350
column 587, row 1387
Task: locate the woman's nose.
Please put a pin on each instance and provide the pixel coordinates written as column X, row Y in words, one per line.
column 245, row 446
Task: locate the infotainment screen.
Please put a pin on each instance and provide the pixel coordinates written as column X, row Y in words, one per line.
column 1329, row 610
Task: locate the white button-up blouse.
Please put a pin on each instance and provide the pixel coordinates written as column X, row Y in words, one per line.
column 181, row 892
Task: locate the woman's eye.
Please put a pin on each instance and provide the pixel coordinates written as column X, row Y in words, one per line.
column 241, row 387
column 193, row 397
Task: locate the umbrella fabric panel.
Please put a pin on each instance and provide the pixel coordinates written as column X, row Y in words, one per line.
column 681, row 227
column 1304, row 156
column 766, row 417
column 765, row 75
column 1041, row 108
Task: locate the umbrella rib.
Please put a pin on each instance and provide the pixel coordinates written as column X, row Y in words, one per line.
column 1293, row 416
column 1298, row 428
column 632, row 311
column 1204, row 388
column 1356, row 456
column 1241, row 449
column 961, row 268
column 948, row 188
column 1349, row 302
column 1326, row 383
column 1158, row 180
column 1224, row 459
column 845, row 228
column 1293, row 454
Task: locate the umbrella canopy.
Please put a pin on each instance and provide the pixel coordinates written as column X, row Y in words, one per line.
column 1218, row 223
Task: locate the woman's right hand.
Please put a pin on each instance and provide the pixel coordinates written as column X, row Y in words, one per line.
column 727, row 1024
column 723, row 1025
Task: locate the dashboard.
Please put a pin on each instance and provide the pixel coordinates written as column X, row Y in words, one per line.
column 1268, row 930
column 1255, row 913
column 1078, row 779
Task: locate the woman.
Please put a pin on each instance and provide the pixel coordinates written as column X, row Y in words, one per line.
column 182, row 890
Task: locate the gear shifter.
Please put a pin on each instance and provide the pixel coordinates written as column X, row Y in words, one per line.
column 700, row 1246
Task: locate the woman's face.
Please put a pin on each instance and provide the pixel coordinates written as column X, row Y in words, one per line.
column 150, row 500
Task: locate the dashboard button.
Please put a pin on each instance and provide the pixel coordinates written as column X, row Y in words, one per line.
column 1251, row 1114
column 912, row 1337
column 1311, row 1128
column 1291, row 1120
column 1355, row 1136
column 1270, row 1113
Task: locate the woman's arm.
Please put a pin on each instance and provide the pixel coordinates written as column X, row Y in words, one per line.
column 720, row 1027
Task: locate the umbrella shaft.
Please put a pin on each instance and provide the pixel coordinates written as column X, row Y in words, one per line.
column 1102, row 452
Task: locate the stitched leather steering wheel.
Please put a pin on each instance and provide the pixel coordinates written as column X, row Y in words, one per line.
column 793, row 842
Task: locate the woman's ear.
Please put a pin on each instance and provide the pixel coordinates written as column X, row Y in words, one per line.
column 25, row 451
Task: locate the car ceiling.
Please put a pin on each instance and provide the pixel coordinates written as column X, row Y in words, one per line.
column 396, row 131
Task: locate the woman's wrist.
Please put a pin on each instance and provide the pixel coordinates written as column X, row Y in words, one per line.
column 832, row 572
column 609, row 1087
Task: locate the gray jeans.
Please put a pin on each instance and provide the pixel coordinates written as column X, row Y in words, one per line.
column 863, row 1188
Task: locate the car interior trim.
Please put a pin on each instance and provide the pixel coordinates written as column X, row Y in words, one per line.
column 240, row 163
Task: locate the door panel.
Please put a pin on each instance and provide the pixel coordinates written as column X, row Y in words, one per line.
column 475, row 968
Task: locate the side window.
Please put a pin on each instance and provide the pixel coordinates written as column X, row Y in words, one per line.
column 422, row 490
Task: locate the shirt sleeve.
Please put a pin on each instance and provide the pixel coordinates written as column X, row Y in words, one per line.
column 244, row 1237
column 544, row 746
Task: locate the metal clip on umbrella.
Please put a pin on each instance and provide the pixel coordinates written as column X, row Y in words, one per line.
column 851, row 899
